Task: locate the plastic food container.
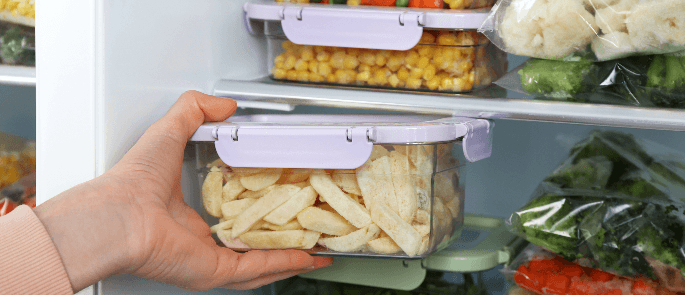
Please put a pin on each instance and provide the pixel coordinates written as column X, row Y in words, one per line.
column 389, row 186
column 381, row 48
column 442, row 4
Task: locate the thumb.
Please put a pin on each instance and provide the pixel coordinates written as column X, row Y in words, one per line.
column 160, row 149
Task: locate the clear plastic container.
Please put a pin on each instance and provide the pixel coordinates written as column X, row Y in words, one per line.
column 450, row 61
column 440, row 4
column 329, row 189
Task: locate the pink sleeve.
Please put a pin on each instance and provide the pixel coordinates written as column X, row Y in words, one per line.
column 29, row 261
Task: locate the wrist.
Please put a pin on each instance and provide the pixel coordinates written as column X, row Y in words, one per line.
column 88, row 234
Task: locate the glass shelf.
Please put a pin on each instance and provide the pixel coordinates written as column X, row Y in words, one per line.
column 491, row 102
column 17, row 75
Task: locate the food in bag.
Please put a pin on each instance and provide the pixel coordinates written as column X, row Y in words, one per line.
column 648, row 81
column 610, row 29
column 446, row 4
column 373, row 209
column 17, row 173
column 541, row 272
column 616, row 204
column 448, row 61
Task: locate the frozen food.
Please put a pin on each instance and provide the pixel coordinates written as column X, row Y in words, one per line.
column 450, row 61
column 435, row 4
column 373, row 209
column 604, row 29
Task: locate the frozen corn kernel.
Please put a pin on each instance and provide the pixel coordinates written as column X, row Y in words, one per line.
column 394, row 80
column 279, row 58
column 325, row 69
column 472, row 77
column 363, row 76
column 465, row 38
column 394, row 63
column 433, row 84
column 279, row 73
column 429, row 72
column 423, row 62
column 323, row 56
column 447, row 38
column 447, row 83
column 364, row 68
column 459, row 84
column 303, row 76
column 416, row 73
column 302, row 1
column 279, row 65
column 465, row 66
column 425, row 50
column 301, row 65
column 414, row 83
column 427, row 38
column 331, row 79
column 290, row 62
column 315, row 78
column 292, row 75
column 314, row 66
column 350, row 62
column 307, row 53
column 412, row 58
column 338, row 60
column 381, row 60
column 354, row 2
column 403, row 74
column 380, row 77
column 368, row 58
column 456, row 4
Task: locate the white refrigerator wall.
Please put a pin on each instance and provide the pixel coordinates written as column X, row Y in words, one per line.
column 108, row 69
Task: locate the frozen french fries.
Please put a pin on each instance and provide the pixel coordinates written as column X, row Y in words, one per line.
column 396, row 204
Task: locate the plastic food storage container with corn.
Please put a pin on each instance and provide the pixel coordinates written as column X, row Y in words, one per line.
column 381, row 48
column 381, row 186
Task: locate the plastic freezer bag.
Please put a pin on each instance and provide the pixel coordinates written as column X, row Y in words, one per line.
column 616, row 204
column 649, row 81
column 606, row 29
column 538, row 271
column 17, row 172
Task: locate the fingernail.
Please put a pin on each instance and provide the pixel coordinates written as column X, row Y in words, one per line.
column 311, row 267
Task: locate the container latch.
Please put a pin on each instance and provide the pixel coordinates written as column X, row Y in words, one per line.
column 477, row 143
column 357, row 28
column 316, row 147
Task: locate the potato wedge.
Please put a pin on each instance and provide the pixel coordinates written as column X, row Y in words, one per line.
column 355, row 213
column 330, row 223
column 292, row 225
column 232, row 209
column 287, row 239
column 405, row 194
column 399, row 230
column 375, row 182
column 352, row 242
column 302, row 184
column 211, row 192
column 232, row 188
column 383, row 245
column 222, row 226
column 346, row 179
column 256, row 194
column 423, row 229
column 422, row 217
column 286, row 212
column 262, row 180
column 262, row 207
column 294, row 175
column 425, row 243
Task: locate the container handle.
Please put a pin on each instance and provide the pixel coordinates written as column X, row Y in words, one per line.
column 317, row 147
column 356, row 28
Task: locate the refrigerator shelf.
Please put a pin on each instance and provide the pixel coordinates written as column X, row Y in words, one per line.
column 17, row 75
column 491, row 102
column 483, row 243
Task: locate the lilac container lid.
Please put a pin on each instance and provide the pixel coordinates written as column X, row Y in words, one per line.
column 359, row 26
column 334, row 141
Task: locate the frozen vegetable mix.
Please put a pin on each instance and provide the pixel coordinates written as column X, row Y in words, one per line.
column 648, row 80
column 537, row 271
column 610, row 29
column 616, row 204
column 394, row 204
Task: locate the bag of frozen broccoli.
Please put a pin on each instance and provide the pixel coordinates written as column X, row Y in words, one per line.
column 647, row 81
column 609, row 29
column 616, row 204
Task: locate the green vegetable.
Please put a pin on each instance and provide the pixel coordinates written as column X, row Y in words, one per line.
column 552, row 78
column 338, row 2
column 314, row 1
column 14, row 47
column 666, row 75
column 402, row 3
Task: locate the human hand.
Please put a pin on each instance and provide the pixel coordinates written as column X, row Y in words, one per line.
column 132, row 219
